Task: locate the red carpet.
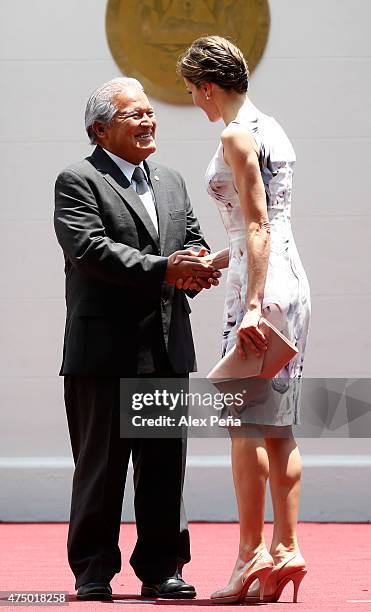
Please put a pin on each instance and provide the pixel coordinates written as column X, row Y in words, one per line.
column 33, row 558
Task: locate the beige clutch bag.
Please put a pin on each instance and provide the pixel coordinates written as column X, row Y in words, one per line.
column 279, row 352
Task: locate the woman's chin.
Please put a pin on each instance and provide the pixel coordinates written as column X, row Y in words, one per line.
column 212, row 117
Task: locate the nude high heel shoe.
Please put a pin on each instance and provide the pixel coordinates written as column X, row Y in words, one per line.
column 259, row 567
column 291, row 569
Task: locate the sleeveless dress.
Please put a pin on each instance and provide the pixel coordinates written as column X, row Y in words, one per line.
column 286, row 300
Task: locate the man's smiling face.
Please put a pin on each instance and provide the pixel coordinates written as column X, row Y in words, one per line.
column 131, row 133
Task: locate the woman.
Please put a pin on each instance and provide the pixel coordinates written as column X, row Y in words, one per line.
column 250, row 180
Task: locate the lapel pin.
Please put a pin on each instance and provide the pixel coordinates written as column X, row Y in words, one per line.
column 157, row 178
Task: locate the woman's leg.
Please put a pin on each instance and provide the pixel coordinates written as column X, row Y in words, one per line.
column 284, row 481
column 250, row 472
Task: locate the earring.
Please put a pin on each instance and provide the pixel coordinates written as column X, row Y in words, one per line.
column 207, row 96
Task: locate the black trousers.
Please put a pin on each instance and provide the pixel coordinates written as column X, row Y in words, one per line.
column 101, row 462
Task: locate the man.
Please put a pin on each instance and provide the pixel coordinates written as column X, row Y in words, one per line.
column 120, row 223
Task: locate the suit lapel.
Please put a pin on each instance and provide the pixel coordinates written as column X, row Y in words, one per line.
column 133, row 200
column 118, row 181
column 161, row 199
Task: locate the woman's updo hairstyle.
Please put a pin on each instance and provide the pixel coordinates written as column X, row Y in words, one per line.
column 215, row 60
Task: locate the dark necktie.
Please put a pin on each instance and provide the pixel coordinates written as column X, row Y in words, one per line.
column 140, row 179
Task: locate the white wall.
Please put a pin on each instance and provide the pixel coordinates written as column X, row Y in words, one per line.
column 314, row 78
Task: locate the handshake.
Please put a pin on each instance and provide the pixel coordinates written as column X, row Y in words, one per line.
column 191, row 270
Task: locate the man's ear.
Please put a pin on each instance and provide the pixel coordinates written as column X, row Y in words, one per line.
column 99, row 129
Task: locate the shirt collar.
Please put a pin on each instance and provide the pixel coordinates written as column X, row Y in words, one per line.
column 126, row 167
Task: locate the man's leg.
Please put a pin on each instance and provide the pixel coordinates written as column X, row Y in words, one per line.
column 101, row 461
column 184, row 551
column 158, row 482
column 159, row 471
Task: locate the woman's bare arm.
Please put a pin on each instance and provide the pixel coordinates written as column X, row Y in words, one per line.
column 241, row 154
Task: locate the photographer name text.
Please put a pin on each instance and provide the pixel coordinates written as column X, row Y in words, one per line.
column 185, row 421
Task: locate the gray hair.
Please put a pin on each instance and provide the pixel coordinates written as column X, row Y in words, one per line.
column 100, row 106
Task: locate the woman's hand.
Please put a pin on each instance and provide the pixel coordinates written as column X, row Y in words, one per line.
column 189, row 255
column 249, row 337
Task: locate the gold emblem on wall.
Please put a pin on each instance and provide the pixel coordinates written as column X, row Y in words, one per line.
column 146, row 37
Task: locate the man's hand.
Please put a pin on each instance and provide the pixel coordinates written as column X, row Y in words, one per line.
column 196, row 283
column 186, row 264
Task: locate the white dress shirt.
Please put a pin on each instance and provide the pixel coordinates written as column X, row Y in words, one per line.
column 147, row 198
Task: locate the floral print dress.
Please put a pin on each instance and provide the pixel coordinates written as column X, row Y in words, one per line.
column 286, row 296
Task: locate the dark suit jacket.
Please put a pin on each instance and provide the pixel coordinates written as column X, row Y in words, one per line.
column 120, row 312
